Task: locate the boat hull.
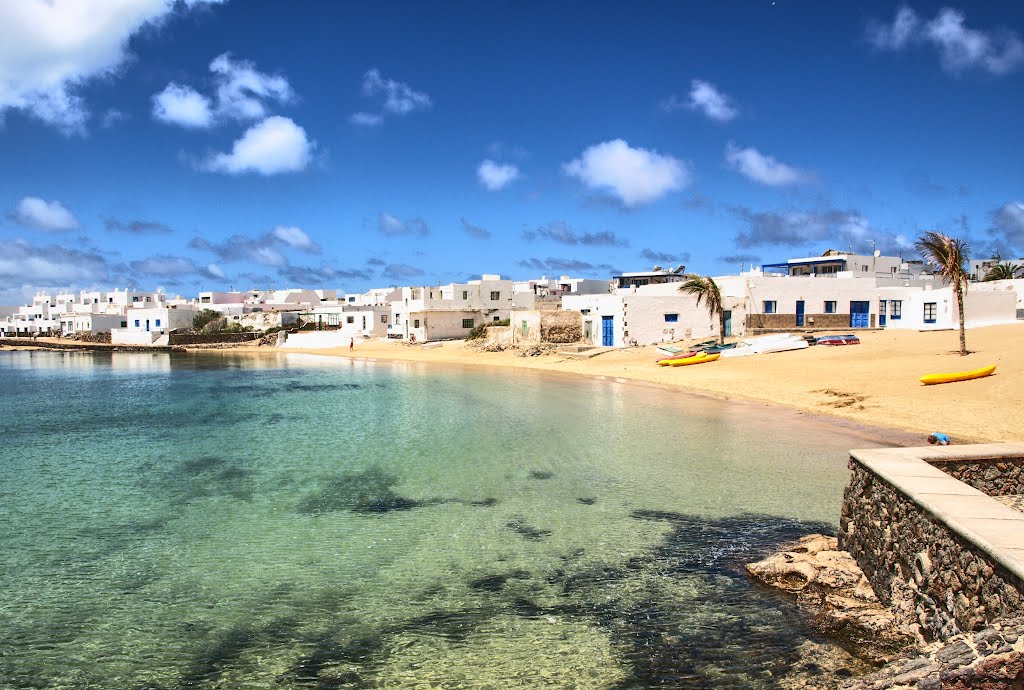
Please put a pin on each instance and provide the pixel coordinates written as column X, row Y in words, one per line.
column 696, row 359
column 931, row 379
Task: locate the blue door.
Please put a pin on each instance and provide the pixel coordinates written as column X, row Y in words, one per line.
column 607, row 332
column 147, row 324
column 881, row 312
column 859, row 314
column 728, row 322
column 800, row 312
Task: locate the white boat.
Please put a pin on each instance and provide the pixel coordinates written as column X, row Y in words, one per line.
column 769, row 343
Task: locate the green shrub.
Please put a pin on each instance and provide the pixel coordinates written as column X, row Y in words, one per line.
column 204, row 317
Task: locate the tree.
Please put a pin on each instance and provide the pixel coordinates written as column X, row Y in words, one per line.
column 948, row 255
column 204, row 317
column 706, row 290
column 1002, row 272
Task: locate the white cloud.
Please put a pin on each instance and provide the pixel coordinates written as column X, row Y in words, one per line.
column 275, row 145
column 764, row 169
column 48, row 50
column 182, row 105
column 36, row 213
column 394, row 97
column 705, row 98
column 494, row 176
column 21, row 262
column 1008, row 224
column 296, row 238
column 960, row 47
column 896, row 35
column 633, row 175
column 391, row 226
column 215, row 271
column 398, row 97
column 241, row 89
column 365, row 119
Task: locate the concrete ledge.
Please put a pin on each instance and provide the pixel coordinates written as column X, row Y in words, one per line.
column 993, row 528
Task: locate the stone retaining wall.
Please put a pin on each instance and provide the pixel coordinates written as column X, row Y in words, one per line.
column 929, row 575
column 207, row 338
column 995, row 477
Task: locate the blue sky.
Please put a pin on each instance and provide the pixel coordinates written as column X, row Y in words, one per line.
column 197, row 144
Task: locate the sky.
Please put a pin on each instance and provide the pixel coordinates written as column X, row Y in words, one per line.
column 190, row 145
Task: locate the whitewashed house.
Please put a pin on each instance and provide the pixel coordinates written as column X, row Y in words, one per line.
column 449, row 311
column 150, row 325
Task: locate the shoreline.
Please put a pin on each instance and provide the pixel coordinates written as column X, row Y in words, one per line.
column 871, row 388
column 873, row 385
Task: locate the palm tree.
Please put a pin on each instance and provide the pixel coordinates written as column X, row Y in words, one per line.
column 948, row 254
column 706, row 290
column 1002, row 272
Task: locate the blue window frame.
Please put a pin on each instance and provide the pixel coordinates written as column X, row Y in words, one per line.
column 830, row 306
column 929, row 312
column 895, row 309
column 158, row 323
column 136, row 323
column 671, row 318
column 769, row 306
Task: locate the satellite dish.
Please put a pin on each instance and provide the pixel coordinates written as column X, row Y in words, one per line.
column 878, row 252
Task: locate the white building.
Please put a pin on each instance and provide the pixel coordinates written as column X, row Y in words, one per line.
column 449, row 311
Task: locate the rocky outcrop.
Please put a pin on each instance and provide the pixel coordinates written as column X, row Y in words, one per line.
column 985, row 660
column 836, row 596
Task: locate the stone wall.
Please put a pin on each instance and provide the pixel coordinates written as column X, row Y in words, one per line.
column 207, row 338
column 779, row 321
column 999, row 477
column 931, row 576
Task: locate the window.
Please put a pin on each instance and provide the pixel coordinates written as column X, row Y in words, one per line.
column 364, row 323
column 136, row 323
column 467, row 323
column 398, row 319
column 415, row 323
column 158, row 323
column 830, row 306
column 769, row 306
column 124, row 324
column 135, row 299
column 384, row 318
column 351, row 299
column 671, row 318
column 895, row 309
column 350, row 319
column 495, row 294
column 929, row 312
column 497, row 318
column 465, row 294
column 584, row 311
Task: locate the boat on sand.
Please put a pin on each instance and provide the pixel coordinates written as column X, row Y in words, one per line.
column 930, row 379
column 768, row 343
column 699, row 358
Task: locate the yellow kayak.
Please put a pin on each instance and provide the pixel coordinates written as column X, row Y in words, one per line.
column 696, row 359
column 958, row 375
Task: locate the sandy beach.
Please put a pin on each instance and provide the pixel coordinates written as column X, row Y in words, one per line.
column 874, row 383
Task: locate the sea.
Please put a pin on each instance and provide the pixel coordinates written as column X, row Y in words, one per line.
column 296, row 521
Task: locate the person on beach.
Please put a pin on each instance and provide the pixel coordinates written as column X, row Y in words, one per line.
column 939, row 438
column 351, row 344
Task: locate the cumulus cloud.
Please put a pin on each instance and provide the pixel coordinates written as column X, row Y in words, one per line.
column 559, row 231
column 319, row 276
column 163, row 266
column 495, row 176
column 663, row 258
column 764, row 169
column 392, row 97
column 740, row 259
column 1008, row 224
column 50, row 50
column 998, row 51
column 631, row 175
column 706, row 99
column 296, row 238
column 34, row 212
column 23, row 263
column 475, row 231
column 137, row 227
column 265, row 249
column 897, row 34
column 557, row 265
column 275, row 145
column 401, row 271
column 182, row 105
column 391, row 226
column 793, row 228
column 242, row 93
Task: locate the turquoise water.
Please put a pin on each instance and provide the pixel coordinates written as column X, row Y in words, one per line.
column 180, row 521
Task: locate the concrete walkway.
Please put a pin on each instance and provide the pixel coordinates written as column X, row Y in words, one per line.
column 989, row 524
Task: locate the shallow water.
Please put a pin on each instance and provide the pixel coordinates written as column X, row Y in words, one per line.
column 181, row 521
